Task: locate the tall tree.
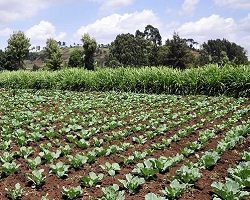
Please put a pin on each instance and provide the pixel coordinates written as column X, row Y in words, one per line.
column 179, row 54
column 89, row 46
column 17, row 50
column 214, row 51
column 152, row 34
column 53, row 54
column 3, row 60
column 76, row 58
column 127, row 50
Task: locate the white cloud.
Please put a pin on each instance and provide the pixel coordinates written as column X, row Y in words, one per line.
column 6, row 32
column 217, row 27
column 237, row 4
column 11, row 10
column 244, row 24
column 106, row 29
column 189, row 6
column 212, row 27
column 15, row 9
column 38, row 34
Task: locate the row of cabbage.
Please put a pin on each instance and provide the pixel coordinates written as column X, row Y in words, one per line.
column 88, row 122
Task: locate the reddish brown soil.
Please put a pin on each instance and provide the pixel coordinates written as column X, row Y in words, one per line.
column 53, row 185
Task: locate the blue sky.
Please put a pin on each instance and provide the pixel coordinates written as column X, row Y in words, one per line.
column 68, row 20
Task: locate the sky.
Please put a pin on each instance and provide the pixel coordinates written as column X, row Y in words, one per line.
column 68, row 20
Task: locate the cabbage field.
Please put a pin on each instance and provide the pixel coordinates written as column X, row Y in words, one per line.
column 117, row 145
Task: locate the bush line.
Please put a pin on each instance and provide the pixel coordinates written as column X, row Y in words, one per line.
column 210, row 80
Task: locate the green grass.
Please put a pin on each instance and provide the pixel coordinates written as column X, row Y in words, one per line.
column 209, row 80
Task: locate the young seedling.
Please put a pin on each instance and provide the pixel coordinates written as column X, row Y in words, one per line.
column 174, row 190
column 9, row 168
column 25, row 152
column 77, row 161
column 157, row 146
column 241, row 173
column 99, row 151
column 139, row 155
column 208, row 159
column 48, row 156
column 111, row 168
column 45, row 146
column 65, row 149
column 152, row 196
column 35, row 136
column 113, row 149
column 163, row 163
column 132, row 183
column 229, row 190
column 112, row 193
column 59, row 169
column 245, row 155
column 37, row 177
column 72, row 192
column 15, row 193
column 145, row 169
column 92, row 179
column 97, row 142
column 83, row 144
column 127, row 160
column 91, row 156
column 33, row 163
column 140, row 139
column 6, row 157
column 50, row 133
column 187, row 151
column 5, row 145
column 188, row 175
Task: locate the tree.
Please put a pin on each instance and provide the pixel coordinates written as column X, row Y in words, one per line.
column 53, row 54
column 17, row 50
column 152, row 34
column 127, row 50
column 179, row 54
column 191, row 43
column 3, row 60
column 76, row 58
column 89, row 46
column 215, row 51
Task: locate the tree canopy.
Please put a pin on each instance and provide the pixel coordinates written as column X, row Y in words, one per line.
column 17, row 50
column 76, row 58
column 179, row 54
column 53, row 54
column 127, row 50
column 214, row 51
column 143, row 48
column 89, row 46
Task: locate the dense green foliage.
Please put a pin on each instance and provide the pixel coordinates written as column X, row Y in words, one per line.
column 53, row 55
column 179, row 54
column 144, row 48
column 126, row 50
column 3, row 60
column 17, row 50
column 76, row 58
column 89, row 46
column 209, row 80
column 141, row 49
column 219, row 51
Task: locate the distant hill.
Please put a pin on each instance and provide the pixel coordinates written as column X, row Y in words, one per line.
column 38, row 58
